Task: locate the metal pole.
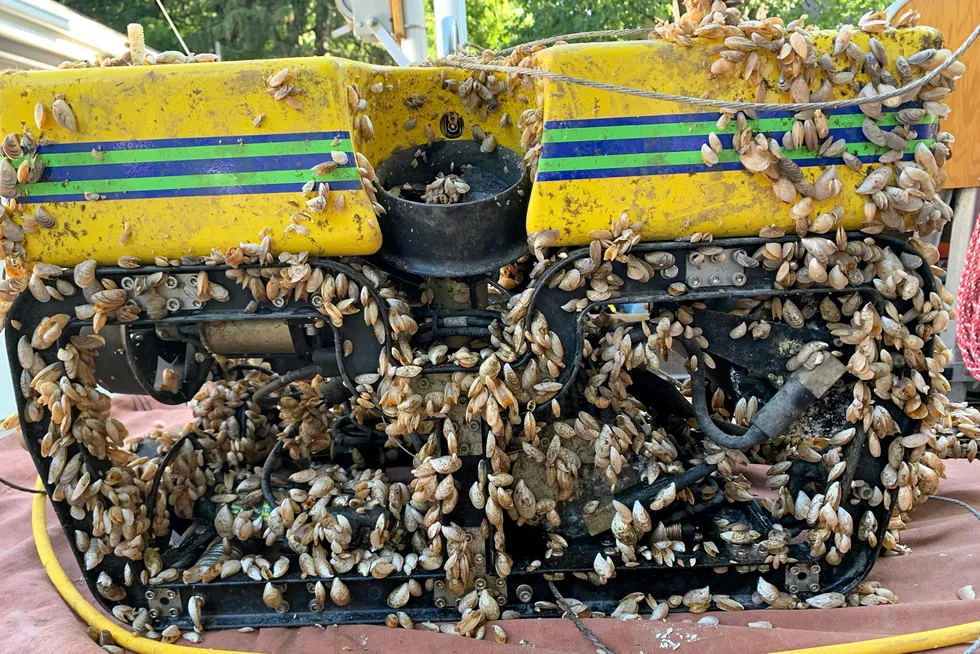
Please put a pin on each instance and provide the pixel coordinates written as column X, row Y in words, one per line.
column 450, row 25
column 414, row 44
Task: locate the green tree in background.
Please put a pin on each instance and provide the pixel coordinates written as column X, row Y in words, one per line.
column 246, row 29
column 543, row 18
column 256, row 29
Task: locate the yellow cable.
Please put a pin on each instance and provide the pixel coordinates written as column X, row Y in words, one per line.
column 903, row 644
column 87, row 612
column 917, row 642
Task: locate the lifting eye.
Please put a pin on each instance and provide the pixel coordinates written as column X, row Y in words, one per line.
column 451, row 125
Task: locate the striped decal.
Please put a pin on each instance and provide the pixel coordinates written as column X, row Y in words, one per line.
column 639, row 146
column 166, row 168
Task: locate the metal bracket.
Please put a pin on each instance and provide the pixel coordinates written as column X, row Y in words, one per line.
column 469, row 435
column 164, row 603
column 388, row 42
column 803, row 578
column 706, row 271
column 496, row 586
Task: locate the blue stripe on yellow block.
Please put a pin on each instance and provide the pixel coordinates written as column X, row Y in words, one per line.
column 648, row 171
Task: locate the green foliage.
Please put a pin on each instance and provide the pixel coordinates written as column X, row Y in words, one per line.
column 552, row 17
column 256, row 29
column 246, row 29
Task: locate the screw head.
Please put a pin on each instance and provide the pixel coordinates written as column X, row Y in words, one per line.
column 715, row 280
column 500, row 582
column 174, row 612
column 738, row 279
column 794, row 588
column 150, row 595
column 154, row 613
column 127, row 283
column 479, row 558
column 464, row 448
column 440, row 603
column 171, row 594
column 480, row 584
column 171, row 282
column 440, row 584
column 315, row 608
column 815, row 569
column 814, row 587
column 693, row 282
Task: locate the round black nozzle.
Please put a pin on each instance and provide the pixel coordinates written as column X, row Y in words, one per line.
column 482, row 231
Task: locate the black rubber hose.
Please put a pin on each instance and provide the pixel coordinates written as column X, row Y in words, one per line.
column 267, row 471
column 446, row 332
column 151, row 501
column 753, row 435
column 261, row 396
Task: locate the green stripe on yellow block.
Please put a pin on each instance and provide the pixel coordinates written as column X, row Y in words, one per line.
column 195, row 153
column 190, row 181
column 605, row 162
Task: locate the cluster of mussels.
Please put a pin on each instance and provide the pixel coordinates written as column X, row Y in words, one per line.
column 893, row 356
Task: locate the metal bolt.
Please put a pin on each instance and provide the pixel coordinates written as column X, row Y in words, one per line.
column 440, row 603
column 279, row 302
column 524, row 593
column 171, row 594
column 440, row 584
column 473, row 426
column 199, row 357
column 693, row 257
column 693, row 282
column 282, row 608
column 310, row 329
column 197, row 304
column 464, row 448
column 423, row 382
column 310, row 587
column 715, row 280
column 479, row 558
column 154, row 614
column 174, row 612
column 314, row 607
column 150, row 595
column 480, row 584
column 815, row 569
column 794, row 588
column 173, row 304
column 192, row 281
column 500, row 581
column 171, row 282
column 794, row 570
column 127, row 283
column 501, row 600
column 738, row 279
column 316, row 301
column 814, row 587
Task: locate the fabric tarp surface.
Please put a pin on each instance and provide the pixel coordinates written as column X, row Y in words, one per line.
column 945, row 542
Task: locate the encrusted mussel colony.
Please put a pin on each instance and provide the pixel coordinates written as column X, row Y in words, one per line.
column 559, row 418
